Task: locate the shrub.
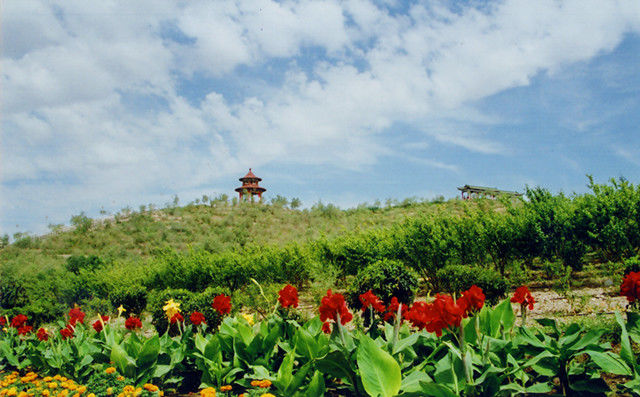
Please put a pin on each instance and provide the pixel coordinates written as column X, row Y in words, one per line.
column 189, row 302
column 75, row 263
column 385, row 278
column 631, row 265
column 133, row 297
column 458, row 278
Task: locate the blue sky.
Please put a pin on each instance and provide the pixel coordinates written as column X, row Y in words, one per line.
column 115, row 104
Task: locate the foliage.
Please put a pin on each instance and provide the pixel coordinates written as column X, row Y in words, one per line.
column 386, row 279
column 458, row 278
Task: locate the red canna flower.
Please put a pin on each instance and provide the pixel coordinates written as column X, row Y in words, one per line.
column 76, row 316
column 392, row 310
column 523, row 296
column 472, row 300
column 630, row 287
column 333, row 305
column 67, row 332
column 133, row 323
column 442, row 313
column 288, row 296
column 222, row 304
column 3, row 321
column 25, row 329
column 43, row 335
column 370, row 299
column 177, row 318
column 18, row 321
column 326, row 327
column 197, row 318
column 98, row 325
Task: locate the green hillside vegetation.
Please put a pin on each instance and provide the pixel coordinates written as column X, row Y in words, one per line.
column 134, row 258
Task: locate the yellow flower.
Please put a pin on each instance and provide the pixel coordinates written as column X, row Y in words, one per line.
column 150, row 387
column 120, row 377
column 226, row 388
column 129, row 389
column 121, row 310
column 91, row 395
column 110, row 370
column 248, row 318
column 82, row 389
column 109, row 391
column 52, row 385
column 267, row 395
column 171, row 308
column 208, row 392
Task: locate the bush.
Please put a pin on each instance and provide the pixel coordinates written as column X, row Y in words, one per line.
column 189, row 302
column 133, row 297
column 386, row 278
column 458, row 278
column 631, row 265
column 77, row 262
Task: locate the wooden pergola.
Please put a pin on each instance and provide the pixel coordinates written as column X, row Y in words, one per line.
column 468, row 192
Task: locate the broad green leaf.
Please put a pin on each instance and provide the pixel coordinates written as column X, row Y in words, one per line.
column 609, row 362
column 149, row 352
column 625, row 346
column 539, row 388
column 334, row 364
column 316, row 386
column 590, row 338
column 405, row 343
column 285, row 373
column 379, row 371
column 125, row 364
column 411, row 383
column 436, row 390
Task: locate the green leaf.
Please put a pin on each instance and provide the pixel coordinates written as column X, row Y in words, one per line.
column 411, row 383
column 625, row 346
column 285, row 375
column 334, row 364
column 316, row 386
column 379, row 371
column 539, row 388
column 125, row 364
column 405, row 343
column 149, row 353
column 609, row 362
column 436, row 390
column 590, row 338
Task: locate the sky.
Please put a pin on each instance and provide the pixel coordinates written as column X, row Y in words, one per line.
column 114, row 104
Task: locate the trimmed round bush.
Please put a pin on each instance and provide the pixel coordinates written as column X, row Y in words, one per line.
column 385, row 278
column 133, row 297
column 458, row 278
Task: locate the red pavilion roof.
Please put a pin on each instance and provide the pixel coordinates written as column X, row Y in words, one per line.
column 250, row 175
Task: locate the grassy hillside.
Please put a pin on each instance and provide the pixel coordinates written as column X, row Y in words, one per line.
column 215, row 227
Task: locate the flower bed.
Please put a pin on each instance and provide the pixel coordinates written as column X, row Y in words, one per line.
column 442, row 347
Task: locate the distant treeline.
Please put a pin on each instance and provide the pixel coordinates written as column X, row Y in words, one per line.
column 602, row 225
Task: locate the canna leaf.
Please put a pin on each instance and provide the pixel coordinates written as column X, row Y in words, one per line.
column 379, row 371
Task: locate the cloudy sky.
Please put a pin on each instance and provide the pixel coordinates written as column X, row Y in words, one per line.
column 120, row 103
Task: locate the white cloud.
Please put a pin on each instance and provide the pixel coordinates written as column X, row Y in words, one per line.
column 68, row 69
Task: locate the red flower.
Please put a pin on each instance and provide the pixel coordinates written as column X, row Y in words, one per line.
column 133, row 323
column 177, row 318
column 630, row 286
column 222, row 304
column 442, row 313
column 288, row 296
column 76, row 316
column 523, row 296
column 67, row 332
column 98, row 325
column 18, row 321
column 392, row 309
column 3, row 321
column 472, row 300
column 25, row 329
column 326, row 327
column 43, row 335
column 197, row 318
column 369, row 299
column 333, row 305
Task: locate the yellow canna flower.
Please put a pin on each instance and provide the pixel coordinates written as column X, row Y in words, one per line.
column 121, row 310
column 171, row 308
column 248, row 318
